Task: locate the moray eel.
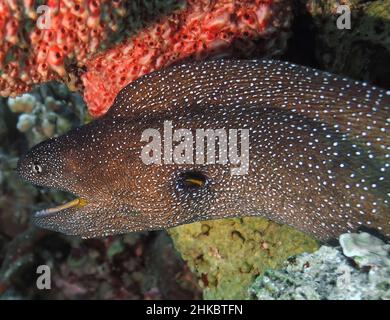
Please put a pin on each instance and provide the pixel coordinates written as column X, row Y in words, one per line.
column 318, row 153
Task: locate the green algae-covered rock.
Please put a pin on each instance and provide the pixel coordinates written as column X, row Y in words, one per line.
column 228, row 254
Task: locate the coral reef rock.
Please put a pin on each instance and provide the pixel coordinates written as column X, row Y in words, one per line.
column 329, row 274
column 47, row 111
column 195, row 31
column 365, row 250
column 228, row 254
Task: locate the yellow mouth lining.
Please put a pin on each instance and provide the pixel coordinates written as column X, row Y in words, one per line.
column 76, row 203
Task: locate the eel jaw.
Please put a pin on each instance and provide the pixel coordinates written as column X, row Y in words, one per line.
column 75, row 204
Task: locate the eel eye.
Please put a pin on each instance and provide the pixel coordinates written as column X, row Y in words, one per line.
column 37, row 168
column 194, row 179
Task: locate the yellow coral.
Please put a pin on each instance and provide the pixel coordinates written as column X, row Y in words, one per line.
column 228, row 254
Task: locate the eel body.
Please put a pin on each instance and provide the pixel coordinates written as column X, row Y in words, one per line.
column 316, row 147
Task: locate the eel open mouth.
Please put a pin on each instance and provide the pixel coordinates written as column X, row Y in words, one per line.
column 75, row 204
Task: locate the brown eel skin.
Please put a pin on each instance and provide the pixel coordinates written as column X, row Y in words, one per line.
column 318, row 151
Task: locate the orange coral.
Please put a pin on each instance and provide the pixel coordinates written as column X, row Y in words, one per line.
column 200, row 29
column 156, row 33
column 73, row 31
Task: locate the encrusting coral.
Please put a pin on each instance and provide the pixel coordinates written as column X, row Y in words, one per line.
column 39, row 119
column 199, row 30
column 227, row 255
column 329, row 274
column 155, row 35
column 35, row 44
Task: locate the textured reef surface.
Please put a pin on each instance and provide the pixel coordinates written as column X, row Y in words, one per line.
column 359, row 269
column 228, row 254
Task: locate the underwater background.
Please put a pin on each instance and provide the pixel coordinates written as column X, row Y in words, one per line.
column 63, row 77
